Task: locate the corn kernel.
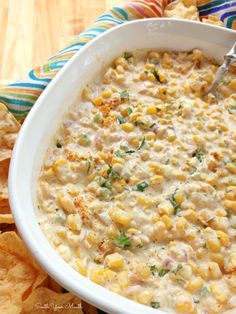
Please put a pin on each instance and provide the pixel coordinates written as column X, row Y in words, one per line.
column 155, row 218
column 145, row 297
column 114, row 261
column 223, row 237
column 150, row 136
column 180, row 176
column 231, row 168
column 132, row 231
column 179, row 197
column 181, row 224
column 98, row 101
column 106, row 94
column 74, row 222
column 194, row 284
column 213, row 243
column 81, row 268
column 167, row 221
column 165, row 208
column 127, row 127
column 230, row 205
column 98, row 276
column 122, row 217
column 220, row 293
column 92, row 238
column 184, row 303
column 151, row 110
column 156, row 180
column 218, row 258
column 123, row 280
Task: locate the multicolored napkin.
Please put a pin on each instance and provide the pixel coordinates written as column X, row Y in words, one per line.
column 21, row 96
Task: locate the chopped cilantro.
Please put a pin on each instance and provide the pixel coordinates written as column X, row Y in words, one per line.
column 142, row 143
column 163, row 272
column 153, row 269
column 58, row 145
column 176, row 206
column 129, row 110
column 204, row 292
column 139, row 246
column 194, row 169
column 155, row 304
column 119, row 154
column 121, row 119
column 198, row 154
column 112, row 174
column 122, row 241
column 156, row 76
column 167, row 161
column 130, row 151
column 142, row 186
column 89, row 166
column 128, row 55
column 124, row 95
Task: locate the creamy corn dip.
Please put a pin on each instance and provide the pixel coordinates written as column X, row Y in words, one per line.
column 138, row 188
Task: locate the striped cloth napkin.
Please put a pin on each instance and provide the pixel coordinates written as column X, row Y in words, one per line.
column 21, row 96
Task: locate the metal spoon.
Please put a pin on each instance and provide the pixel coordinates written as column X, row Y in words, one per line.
column 229, row 58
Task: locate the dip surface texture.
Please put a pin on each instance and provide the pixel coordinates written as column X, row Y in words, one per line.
column 138, row 188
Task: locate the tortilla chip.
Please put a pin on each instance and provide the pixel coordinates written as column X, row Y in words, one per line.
column 4, row 167
column 44, row 300
column 88, row 308
column 184, row 9
column 6, row 219
column 19, row 273
column 53, row 285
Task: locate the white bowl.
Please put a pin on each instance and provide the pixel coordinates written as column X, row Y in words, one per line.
column 47, row 113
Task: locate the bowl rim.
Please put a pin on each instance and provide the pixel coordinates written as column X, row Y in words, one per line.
column 91, row 288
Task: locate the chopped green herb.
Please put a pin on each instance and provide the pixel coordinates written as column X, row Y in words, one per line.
column 130, row 151
column 128, row 55
column 119, row 154
column 163, row 272
column 179, row 267
column 84, row 140
column 121, row 119
column 194, row 169
column 156, row 76
column 196, row 301
column 154, row 61
column 122, row 241
column 89, row 166
column 142, row 186
column 112, row 174
column 97, row 118
column 167, row 161
column 124, row 95
column 139, row 246
column 58, row 145
column 155, row 305
column 142, row 143
column 129, row 110
column 198, row 154
column 176, row 206
column 204, row 292
column 153, row 269
column 57, row 209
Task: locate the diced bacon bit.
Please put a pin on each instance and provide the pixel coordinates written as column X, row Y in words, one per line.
column 83, row 210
